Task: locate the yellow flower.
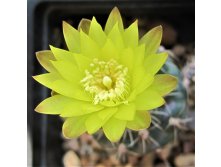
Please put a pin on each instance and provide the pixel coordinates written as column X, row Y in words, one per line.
column 106, row 80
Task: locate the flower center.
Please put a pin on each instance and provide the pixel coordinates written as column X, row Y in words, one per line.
column 106, row 81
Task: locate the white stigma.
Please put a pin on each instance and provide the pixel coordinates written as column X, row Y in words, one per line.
column 106, row 81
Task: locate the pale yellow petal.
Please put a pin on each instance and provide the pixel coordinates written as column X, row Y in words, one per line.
column 72, row 37
column 109, row 51
column 78, row 108
column 61, row 54
column 114, row 129
column 153, row 63
column 142, row 120
column 152, row 40
column 114, row 17
column 74, row 127
column 148, row 100
column 131, row 35
column 68, row 71
column 116, row 36
column 98, row 119
column 63, row 87
column 126, row 112
column 96, row 32
column 44, row 58
column 53, row 105
column 84, row 25
column 164, row 83
column 89, row 47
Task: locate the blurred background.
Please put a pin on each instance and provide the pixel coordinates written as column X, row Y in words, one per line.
column 170, row 142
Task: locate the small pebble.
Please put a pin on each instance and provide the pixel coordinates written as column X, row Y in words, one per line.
column 70, row 159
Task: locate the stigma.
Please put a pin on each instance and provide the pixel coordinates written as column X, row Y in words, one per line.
column 107, row 81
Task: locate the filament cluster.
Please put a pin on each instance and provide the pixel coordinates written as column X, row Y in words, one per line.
column 106, row 81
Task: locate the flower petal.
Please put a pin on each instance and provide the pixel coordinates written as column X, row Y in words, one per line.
column 89, row 47
column 114, row 17
column 149, row 99
column 127, row 58
column 96, row 120
column 137, row 77
column 71, row 90
column 47, row 79
column 77, row 108
column 61, row 54
column 68, row 71
column 96, row 32
column 110, row 103
column 140, row 79
column 152, row 40
column 74, row 127
column 114, row 129
column 138, row 68
column 139, row 51
column 44, row 58
column 109, row 51
column 84, row 25
column 146, row 82
column 93, row 123
column 131, row 36
column 116, row 37
column 142, row 120
column 72, row 37
column 53, row 105
column 106, row 113
column 153, row 63
column 126, row 112
column 164, row 83
column 59, row 85
column 82, row 62
column 53, row 93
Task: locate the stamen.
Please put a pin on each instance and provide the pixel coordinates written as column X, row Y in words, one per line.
column 106, row 81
